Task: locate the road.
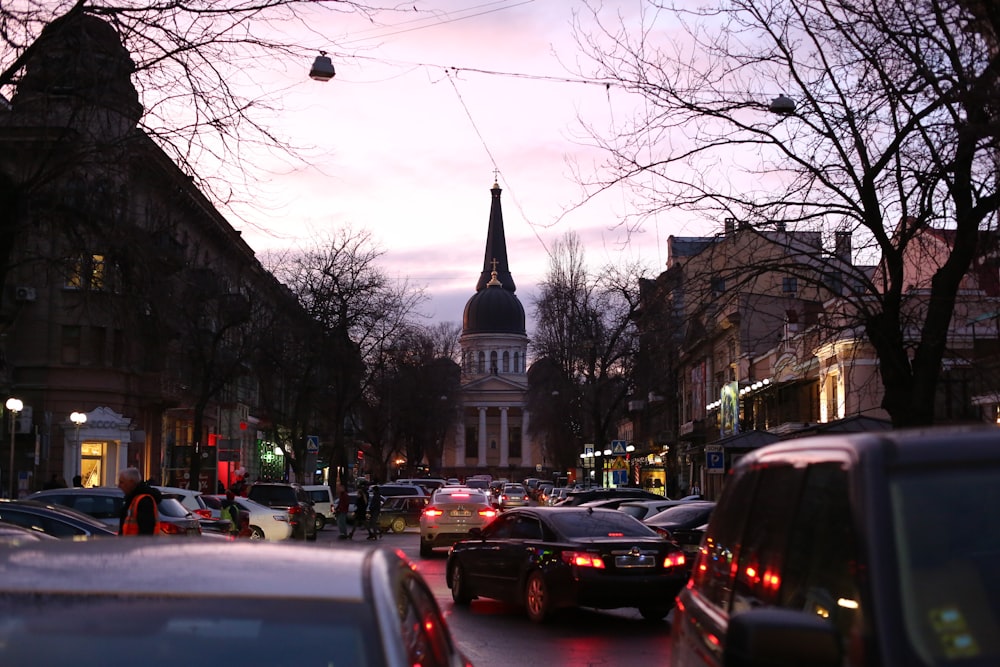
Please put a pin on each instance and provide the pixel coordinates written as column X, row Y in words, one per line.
column 492, row 634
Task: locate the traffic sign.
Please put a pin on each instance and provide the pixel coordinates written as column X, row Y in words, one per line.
column 715, row 461
column 312, row 443
column 618, row 447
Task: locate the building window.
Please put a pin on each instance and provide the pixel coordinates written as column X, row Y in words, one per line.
column 482, row 362
column 98, row 343
column 514, row 441
column 87, row 273
column 789, row 285
column 471, row 442
column 506, row 362
column 517, row 363
column 71, row 345
column 493, row 362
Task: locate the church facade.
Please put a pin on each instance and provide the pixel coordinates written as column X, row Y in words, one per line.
column 491, row 436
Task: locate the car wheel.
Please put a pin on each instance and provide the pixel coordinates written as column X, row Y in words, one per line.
column 320, row 522
column 654, row 613
column 536, row 598
column 426, row 550
column 312, row 537
column 256, row 533
column 398, row 524
column 459, row 589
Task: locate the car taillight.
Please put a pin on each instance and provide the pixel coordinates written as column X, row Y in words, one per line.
column 171, row 529
column 431, row 512
column 663, row 532
column 488, row 513
column 583, row 559
column 503, row 497
column 295, row 509
column 205, row 514
column 674, row 560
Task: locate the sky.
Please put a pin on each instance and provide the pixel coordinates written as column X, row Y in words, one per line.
column 403, row 142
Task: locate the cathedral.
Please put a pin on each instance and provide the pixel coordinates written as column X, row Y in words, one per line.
column 491, row 436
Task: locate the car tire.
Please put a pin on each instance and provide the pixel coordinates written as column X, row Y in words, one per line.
column 312, row 537
column 654, row 613
column 426, row 550
column 256, row 533
column 398, row 524
column 460, row 592
column 320, row 522
column 537, row 601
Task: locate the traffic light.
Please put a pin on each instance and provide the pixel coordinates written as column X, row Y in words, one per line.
column 361, row 455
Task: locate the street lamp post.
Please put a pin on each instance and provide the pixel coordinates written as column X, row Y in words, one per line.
column 14, row 405
column 78, row 419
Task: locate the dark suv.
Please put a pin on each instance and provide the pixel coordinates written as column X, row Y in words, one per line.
column 864, row 549
column 293, row 499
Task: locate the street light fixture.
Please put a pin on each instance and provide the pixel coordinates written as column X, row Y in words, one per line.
column 322, row 68
column 78, row 419
column 14, row 405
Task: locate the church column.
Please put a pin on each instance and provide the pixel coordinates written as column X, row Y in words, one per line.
column 504, row 439
column 526, row 443
column 482, row 438
column 460, row 444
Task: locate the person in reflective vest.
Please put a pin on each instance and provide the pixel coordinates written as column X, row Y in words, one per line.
column 139, row 514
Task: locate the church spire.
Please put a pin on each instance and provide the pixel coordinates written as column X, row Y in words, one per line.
column 496, row 249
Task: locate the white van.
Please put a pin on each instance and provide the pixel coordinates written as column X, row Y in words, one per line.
column 321, row 496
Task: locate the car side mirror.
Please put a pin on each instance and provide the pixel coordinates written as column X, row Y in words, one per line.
column 774, row 637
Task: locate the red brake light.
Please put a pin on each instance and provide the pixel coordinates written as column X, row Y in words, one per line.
column 488, row 512
column 675, row 559
column 170, row 528
column 460, row 495
column 295, row 509
column 583, row 559
column 205, row 514
column 432, row 512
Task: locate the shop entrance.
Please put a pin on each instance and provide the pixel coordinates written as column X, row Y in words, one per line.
column 92, row 464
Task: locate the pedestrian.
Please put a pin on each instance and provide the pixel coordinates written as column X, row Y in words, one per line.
column 139, row 512
column 374, row 509
column 231, row 511
column 78, row 481
column 360, row 507
column 341, row 510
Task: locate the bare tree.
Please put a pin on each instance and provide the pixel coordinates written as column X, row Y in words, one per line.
column 586, row 341
column 877, row 119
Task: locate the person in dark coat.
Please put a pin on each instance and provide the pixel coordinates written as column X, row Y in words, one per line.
column 360, row 508
column 374, row 509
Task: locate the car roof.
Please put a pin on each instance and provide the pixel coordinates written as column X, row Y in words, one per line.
column 189, row 567
column 178, row 490
column 41, row 506
column 81, row 490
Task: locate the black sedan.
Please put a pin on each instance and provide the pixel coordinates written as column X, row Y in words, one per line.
column 549, row 558
column 54, row 520
column 684, row 524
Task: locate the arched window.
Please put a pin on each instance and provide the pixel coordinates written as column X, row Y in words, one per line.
column 493, row 362
column 506, row 361
column 482, row 362
column 517, row 363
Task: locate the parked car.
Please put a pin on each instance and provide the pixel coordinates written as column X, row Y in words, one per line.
column 558, row 495
column 549, row 558
column 388, row 490
column 452, row 513
column 875, row 548
column 324, row 503
column 513, row 495
column 399, row 512
column 684, row 524
column 54, row 520
column 364, row 607
column 428, row 484
column 263, row 522
column 104, row 503
column 646, row 509
column 586, row 495
column 193, row 502
column 291, row 498
column 13, row 535
column 542, row 492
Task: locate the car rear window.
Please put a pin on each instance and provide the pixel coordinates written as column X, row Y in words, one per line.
column 599, row 524
column 283, row 496
column 172, row 508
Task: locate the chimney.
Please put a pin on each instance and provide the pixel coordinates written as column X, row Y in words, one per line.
column 842, row 246
column 730, row 226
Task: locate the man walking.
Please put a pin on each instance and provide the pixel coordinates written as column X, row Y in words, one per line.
column 139, row 514
column 360, row 507
column 341, row 510
column 374, row 509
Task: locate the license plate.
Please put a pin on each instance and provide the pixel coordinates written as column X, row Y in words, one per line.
column 461, row 513
column 635, row 561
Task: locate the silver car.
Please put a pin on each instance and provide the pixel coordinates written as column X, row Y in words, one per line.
column 513, row 495
column 452, row 512
column 200, row 602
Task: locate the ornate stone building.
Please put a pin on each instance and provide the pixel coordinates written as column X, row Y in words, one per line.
column 491, row 437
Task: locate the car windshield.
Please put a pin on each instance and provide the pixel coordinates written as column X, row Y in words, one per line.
column 948, row 544
column 598, row 524
column 165, row 631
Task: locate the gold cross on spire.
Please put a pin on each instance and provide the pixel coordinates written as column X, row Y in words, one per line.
column 494, row 263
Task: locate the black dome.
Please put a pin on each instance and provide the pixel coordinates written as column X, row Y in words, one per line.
column 493, row 310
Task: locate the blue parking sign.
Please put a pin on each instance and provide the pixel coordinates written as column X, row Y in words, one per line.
column 715, row 461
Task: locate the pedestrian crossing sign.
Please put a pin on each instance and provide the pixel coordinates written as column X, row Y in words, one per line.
column 618, row 447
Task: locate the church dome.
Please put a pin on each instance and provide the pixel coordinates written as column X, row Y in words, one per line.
column 493, row 310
